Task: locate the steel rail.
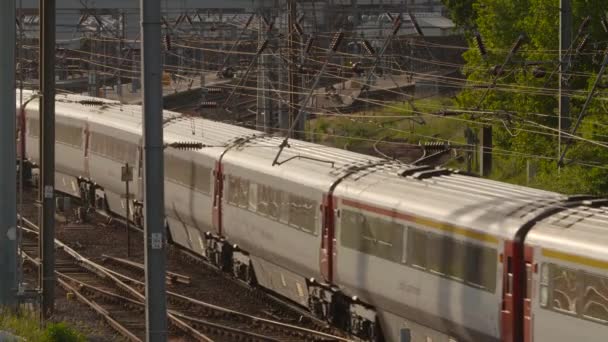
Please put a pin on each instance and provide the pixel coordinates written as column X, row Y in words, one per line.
column 114, row 276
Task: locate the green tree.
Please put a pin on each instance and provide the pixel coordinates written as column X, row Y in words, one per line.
column 527, row 125
column 461, row 11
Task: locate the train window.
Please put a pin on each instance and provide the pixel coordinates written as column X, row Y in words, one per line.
column 253, row 196
column 302, row 213
column 417, row 248
column 238, row 191
column 274, row 203
column 564, row 289
column 68, row 135
column 595, row 298
column 472, row 264
column 481, row 266
column 243, row 193
column 372, row 235
column 113, row 148
column 202, row 178
column 33, row 127
column 437, row 256
column 455, row 262
column 188, row 173
column 233, row 190
column 285, row 208
column 263, row 199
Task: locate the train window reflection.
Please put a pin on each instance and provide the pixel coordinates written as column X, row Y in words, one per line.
column 564, row 289
column 371, row 235
column 443, row 255
column 595, row 298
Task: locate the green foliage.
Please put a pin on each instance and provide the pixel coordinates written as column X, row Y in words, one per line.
column 60, row 332
column 27, row 326
column 461, row 11
column 528, row 130
column 24, row 325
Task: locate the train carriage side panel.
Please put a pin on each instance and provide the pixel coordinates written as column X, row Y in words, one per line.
column 570, row 284
column 110, row 148
column 69, row 147
column 278, row 222
column 188, row 197
column 424, row 270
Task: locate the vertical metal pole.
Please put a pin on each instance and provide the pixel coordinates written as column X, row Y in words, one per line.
column 120, row 55
column 154, row 217
column 565, row 39
column 128, row 201
column 47, row 156
column 261, row 101
column 485, row 151
column 293, row 47
column 8, row 155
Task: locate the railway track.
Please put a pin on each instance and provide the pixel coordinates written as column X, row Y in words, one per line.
column 116, row 294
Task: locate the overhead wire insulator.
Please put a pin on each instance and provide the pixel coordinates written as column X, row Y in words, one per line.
column 416, row 26
column 584, row 24
column 309, row 43
column 262, row 47
column 396, row 25
column 207, row 104
column 518, row 43
column 298, row 28
column 539, row 72
column 497, row 70
column 227, row 72
column 480, row 45
column 179, row 19
column 583, row 44
column 302, row 69
column 368, row 47
column 336, row 40
column 167, row 42
column 249, row 20
column 184, row 145
column 83, row 18
column 212, row 90
column 357, row 69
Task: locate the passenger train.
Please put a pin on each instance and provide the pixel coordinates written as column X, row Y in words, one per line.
column 384, row 250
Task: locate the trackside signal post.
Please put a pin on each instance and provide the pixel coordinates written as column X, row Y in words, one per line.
column 154, row 213
column 127, row 176
column 8, row 189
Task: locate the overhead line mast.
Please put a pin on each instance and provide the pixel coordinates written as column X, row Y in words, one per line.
column 47, row 156
column 8, row 188
column 154, row 210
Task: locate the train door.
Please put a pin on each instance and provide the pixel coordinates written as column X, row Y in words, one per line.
column 507, row 312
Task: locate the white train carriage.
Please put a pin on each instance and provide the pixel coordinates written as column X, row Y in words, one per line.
column 273, row 213
column 190, row 178
column 425, row 245
column 568, row 276
column 382, row 249
column 69, row 147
